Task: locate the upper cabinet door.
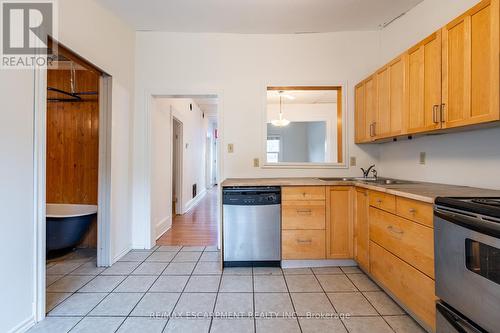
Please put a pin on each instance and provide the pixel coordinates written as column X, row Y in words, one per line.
column 361, row 134
column 471, row 67
column 397, row 88
column 370, row 108
column 424, row 86
column 383, row 124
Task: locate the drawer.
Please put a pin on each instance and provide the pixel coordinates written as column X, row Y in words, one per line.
column 413, row 288
column 303, row 193
column 417, row 211
column 303, row 214
column 383, row 201
column 303, row 244
column 410, row 241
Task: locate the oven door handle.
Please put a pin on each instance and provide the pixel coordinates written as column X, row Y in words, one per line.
column 458, row 323
column 474, row 223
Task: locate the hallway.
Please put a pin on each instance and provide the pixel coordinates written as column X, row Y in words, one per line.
column 198, row 227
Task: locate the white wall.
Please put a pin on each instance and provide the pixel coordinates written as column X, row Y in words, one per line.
column 100, row 37
column 238, row 68
column 161, row 170
column 468, row 158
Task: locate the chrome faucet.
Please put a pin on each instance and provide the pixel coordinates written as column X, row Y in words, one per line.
column 366, row 172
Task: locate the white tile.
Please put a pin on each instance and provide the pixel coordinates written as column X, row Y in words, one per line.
column 327, row 270
column 136, row 284
column 135, row 256
column 98, row 325
column 117, row 304
column 237, row 271
column 49, row 279
column 307, row 304
column 321, row 325
column 161, row 256
column 336, row 283
column 183, row 325
column 102, row 284
column 234, row 304
column 55, row 324
column 143, row 325
column 208, row 267
column 150, row 268
column 89, row 268
column 160, row 304
column 63, row 268
column 269, row 283
column 167, row 283
column 363, row 282
column 297, row 271
column 210, row 256
column 193, row 248
column 54, row 299
column 277, row 325
column 203, row 283
column 383, row 303
column 69, row 283
column 78, row 304
column 179, row 268
column 267, row 271
column 302, row 283
column 404, row 324
column 121, row 268
column 236, row 283
column 351, row 270
column 367, row 324
column 354, row 304
column 191, row 304
column 187, row 256
column 169, row 248
column 232, row 325
column 273, row 304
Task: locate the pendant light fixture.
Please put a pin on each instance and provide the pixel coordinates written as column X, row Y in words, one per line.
column 282, row 122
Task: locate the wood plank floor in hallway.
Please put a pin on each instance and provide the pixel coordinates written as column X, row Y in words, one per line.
column 196, row 227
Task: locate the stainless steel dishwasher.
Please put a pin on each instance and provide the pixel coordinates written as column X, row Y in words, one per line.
column 252, row 226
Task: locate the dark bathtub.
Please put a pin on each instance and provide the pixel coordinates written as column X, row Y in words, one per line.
column 67, row 224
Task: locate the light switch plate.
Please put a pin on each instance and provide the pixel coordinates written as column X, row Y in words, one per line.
column 422, row 157
column 256, row 162
column 353, row 161
column 230, row 148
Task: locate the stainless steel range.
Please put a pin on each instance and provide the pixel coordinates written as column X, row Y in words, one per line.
column 467, row 259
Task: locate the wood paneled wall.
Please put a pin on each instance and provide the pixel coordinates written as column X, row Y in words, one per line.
column 73, row 144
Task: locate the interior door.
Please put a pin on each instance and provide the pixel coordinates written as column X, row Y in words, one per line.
column 471, row 67
column 424, row 86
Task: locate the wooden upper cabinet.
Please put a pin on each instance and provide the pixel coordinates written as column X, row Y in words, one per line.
column 424, row 86
column 361, row 133
column 391, row 87
column 370, row 107
column 339, row 222
column 471, row 67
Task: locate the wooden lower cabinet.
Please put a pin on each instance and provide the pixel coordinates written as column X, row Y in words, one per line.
column 413, row 288
column 339, row 222
column 361, row 229
column 304, row 215
column 303, row 244
column 410, row 241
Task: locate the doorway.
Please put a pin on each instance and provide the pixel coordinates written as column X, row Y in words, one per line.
column 73, row 149
column 193, row 148
column 176, row 166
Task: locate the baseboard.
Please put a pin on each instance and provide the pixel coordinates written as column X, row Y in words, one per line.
column 191, row 203
column 23, row 326
column 317, row 263
column 163, row 226
column 121, row 254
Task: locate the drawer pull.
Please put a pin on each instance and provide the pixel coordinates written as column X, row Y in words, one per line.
column 304, row 211
column 412, row 210
column 395, row 230
column 304, row 241
column 379, row 201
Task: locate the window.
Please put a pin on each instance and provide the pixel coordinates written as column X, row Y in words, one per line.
column 273, row 149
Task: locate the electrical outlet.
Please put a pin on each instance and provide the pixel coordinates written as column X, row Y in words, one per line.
column 230, row 148
column 353, row 161
column 256, row 162
column 422, row 157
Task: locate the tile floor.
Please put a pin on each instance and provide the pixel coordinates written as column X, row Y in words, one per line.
column 182, row 289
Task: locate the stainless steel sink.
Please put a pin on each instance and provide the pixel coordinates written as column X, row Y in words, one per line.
column 338, row 179
column 380, row 181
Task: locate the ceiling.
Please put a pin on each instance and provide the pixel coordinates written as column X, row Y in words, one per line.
column 303, row 96
column 208, row 105
column 258, row 16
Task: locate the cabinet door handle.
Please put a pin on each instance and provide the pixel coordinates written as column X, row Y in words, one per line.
column 435, row 112
column 304, row 241
column 304, row 211
column 395, row 230
column 443, row 108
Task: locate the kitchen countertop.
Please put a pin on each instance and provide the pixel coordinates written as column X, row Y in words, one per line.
column 426, row 192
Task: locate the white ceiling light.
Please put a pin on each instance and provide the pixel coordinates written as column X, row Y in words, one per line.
column 282, row 122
